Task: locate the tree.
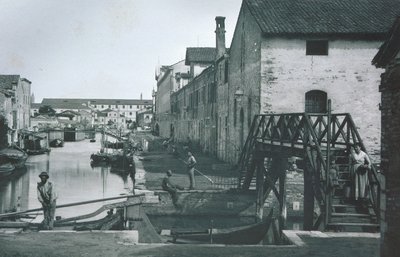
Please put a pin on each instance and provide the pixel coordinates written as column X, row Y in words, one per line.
column 47, row 110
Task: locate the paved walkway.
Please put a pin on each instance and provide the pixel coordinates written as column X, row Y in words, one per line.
column 123, row 244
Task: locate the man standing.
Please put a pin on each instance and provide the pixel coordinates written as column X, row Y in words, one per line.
column 47, row 197
column 191, row 162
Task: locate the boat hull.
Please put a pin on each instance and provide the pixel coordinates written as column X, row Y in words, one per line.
column 6, row 169
column 15, row 156
column 250, row 234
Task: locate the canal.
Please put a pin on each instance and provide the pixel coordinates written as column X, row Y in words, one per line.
column 75, row 180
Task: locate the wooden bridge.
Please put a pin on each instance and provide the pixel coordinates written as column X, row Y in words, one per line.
column 315, row 139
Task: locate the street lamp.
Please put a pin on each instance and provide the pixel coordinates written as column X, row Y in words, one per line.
column 238, row 94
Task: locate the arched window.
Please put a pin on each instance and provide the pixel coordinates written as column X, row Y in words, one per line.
column 316, row 101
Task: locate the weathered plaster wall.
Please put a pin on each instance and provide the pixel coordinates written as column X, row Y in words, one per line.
column 244, row 74
column 345, row 74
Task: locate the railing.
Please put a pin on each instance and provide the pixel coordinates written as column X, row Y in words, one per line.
column 309, row 132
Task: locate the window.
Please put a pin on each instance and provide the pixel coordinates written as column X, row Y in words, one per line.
column 123, row 106
column 109, row 106
column 130, row 106
column 317, row 47
column 102, row 106
column 130, row 113
column 138, row 106
column 316, row 101
column 116, row 106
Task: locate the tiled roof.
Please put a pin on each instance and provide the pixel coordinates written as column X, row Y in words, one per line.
column 81, row 103
column 68, row 112
column 64, row 103
column 324, row 16
column 7, row 80
column 200, row 55
column 389, row 50
column 35, row 105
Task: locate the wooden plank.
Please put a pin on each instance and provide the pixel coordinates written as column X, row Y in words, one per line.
column 13, row 224
column 10, row 214
column 100, row 210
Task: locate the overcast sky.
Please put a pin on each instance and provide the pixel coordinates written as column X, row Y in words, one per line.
column 103, row 48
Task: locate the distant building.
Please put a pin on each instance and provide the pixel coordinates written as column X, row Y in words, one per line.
column 169, row 79
column 44, row 121
column 35, row 109
column 16, row 102
column 98, row 111
column 144, row 118
column 125, row 107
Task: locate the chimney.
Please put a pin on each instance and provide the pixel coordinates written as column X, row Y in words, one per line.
column 141, row 96
column 220, row 35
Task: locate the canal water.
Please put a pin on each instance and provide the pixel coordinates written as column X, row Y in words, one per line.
column 75, row 180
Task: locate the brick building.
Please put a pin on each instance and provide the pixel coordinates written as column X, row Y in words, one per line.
column 388, row 57
column 291, row 56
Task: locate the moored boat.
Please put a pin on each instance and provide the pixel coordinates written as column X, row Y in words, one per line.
column 14, row 156
column 57, row 143
column 249, row 234
column 38, row 151
column 6, row 169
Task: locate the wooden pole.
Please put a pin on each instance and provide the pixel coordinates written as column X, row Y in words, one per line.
column 260, row 188
column 328, row 165
column 282, row 196
column 69, row 205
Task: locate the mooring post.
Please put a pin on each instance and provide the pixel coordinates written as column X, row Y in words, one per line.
column 282, row 200
column 260, row 187
column 308, row 221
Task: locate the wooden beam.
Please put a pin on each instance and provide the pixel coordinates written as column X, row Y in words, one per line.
column 308, row 222
column 260, row 187
column 10, row 214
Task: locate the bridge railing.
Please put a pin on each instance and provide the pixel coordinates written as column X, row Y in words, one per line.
column 307, row 131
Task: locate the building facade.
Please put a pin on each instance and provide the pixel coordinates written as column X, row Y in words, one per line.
column 388, row 58
column 285, row 59
column 16, row 102
column 282, row 65
column 169, row 79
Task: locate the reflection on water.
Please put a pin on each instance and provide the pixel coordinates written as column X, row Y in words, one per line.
column 75, row 180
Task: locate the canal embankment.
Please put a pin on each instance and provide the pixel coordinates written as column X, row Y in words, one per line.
column 106, row 244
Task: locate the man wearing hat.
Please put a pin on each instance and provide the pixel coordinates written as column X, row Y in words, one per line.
column 47, row 197
column 169, row 187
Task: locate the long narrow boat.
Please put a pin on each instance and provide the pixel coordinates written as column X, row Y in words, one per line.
column 15, row 156
column 249, row 234
column 6, row 169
